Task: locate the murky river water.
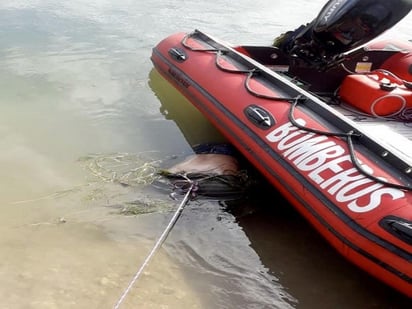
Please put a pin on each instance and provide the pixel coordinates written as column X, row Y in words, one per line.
column 80, row 106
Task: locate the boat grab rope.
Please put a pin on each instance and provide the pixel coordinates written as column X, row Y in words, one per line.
column 185, row 44
column 349, row 136
column 191, row 186
column 249, row 89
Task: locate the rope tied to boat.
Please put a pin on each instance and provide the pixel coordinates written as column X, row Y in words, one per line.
column 190, row 186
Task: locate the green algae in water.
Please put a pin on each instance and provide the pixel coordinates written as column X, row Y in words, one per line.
column 145, row 206
column 124, row 168
column 123, row 182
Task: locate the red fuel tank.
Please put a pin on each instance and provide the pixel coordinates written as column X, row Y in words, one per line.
column 378, row 93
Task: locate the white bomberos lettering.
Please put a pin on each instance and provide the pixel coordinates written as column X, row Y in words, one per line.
column 329, row 166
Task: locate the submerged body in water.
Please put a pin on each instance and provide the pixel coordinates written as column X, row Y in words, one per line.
column 216, row 171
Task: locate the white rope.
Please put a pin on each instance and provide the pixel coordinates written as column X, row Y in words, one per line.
column 157, row 245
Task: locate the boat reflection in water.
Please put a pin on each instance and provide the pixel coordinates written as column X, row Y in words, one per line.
column 300, row 262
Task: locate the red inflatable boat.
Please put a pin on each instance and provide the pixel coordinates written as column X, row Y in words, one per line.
column 331, row 129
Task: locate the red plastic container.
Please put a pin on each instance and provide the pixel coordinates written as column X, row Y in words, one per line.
column 377, row 93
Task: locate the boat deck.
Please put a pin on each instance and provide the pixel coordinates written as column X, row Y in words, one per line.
column 396, row 135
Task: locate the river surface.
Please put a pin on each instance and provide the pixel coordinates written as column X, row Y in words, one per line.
column 82, row 108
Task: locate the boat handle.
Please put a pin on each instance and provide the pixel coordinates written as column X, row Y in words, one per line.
column 259, row 116
column 178, row 54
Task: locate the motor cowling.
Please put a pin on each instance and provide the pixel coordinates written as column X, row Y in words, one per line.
column 342, row 25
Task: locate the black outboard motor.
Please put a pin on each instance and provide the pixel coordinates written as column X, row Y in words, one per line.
column 342, row 25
